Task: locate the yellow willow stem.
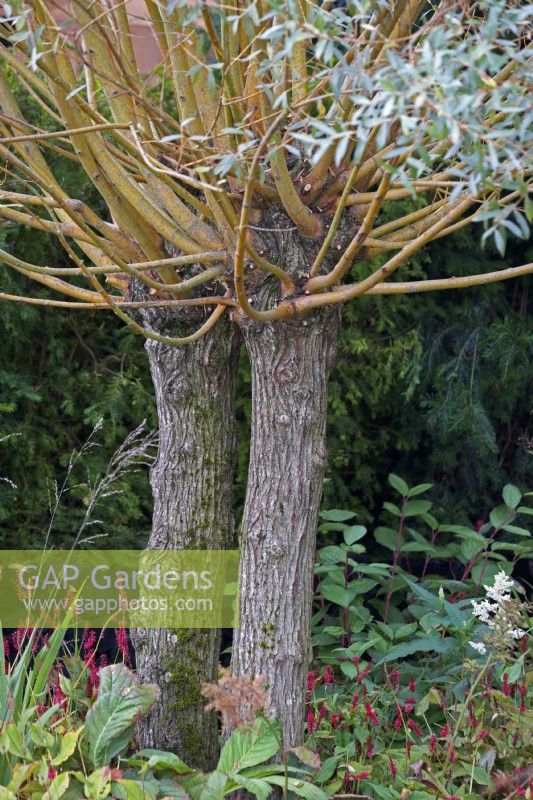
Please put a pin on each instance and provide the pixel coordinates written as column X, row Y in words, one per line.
column 299, row 68
column 363, row 198
column 189, row 303
column 320, row 282
column 56, row 228
column 401, row 222
column 177, row 288
column 302, row 217
column 278, row 272
column 438, row 284
column 57, row 193
column 66, row 133
column 159, row 170
column 240, row 288
column 318, row 175
column 339, row 183
column 410, row 232
column 140, row 266
column 204, row 234
column 341, row 205
column 170, row 340
column 140, row 202
column 47, row 280
column 104, row 55
column 348, row 292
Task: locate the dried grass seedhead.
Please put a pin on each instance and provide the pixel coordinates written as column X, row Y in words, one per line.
column 237, row 700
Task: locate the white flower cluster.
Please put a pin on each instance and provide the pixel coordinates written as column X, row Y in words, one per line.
column 495, row 611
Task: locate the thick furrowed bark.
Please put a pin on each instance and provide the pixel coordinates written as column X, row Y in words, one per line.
column 290, row 366
column 191, row 483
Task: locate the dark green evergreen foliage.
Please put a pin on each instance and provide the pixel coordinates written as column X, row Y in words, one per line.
column 436, row 386
column 433, row 386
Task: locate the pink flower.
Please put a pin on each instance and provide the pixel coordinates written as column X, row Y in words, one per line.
column 412, row 685
column 121, row 636
column 355, row 700
column 322, row 711
column 58, row 695
column 51, row 774
column 482, row 735
column 310, row 720
column 393, row 768
column 336, row 720
column 328, row 676
column 369, row 748
column 506, row 687
column 394, row 678
column 414, row 726
column 371, row 714
column 432, row 744
column 444, row 732
column 472, row 720
column 311, row 681
column 89, row 641
column 360, row 776
column 362, row 675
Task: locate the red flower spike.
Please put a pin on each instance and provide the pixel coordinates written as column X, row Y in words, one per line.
column 329, row 678
column 310, row 721
column 371, row 714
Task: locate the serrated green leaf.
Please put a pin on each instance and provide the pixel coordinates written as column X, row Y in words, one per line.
column 420, row 489
column 415, row 507
column 354, row 533
column 386, row 537
column 511, row 495
column 336, row 594
column 249, row 747
column 109, row 721
column 336, row 515
column 399, row 484
column 58, row 787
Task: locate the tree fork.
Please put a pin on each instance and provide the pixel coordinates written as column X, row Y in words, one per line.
column 192, row 482
column 290, row 365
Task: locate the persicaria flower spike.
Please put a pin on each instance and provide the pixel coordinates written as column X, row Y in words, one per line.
column 371, row 714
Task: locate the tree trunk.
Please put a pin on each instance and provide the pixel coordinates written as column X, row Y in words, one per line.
column 290, row 364
column 192, row 483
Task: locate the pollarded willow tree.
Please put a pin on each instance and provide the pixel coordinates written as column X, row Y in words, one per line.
column 251, row 189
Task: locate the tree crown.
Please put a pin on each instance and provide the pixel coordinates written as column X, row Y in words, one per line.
column 298, row 117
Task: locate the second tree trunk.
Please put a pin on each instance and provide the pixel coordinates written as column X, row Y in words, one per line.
column 290, row 365
column 192, row 485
